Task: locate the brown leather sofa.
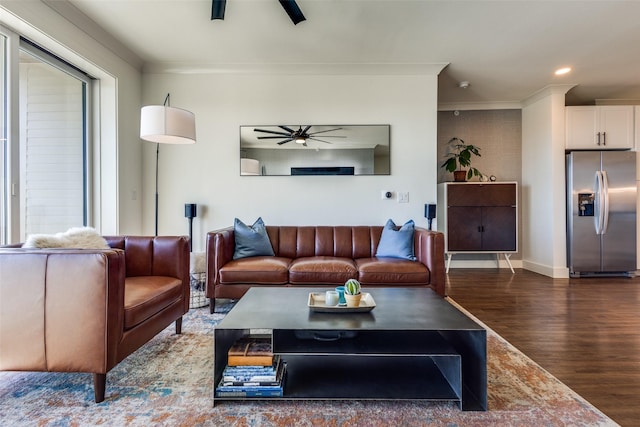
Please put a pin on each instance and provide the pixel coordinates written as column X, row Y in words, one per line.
column 85, row 310
column 321, row 256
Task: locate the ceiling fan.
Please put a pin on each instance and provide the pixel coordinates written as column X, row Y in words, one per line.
column 300, row 136
column 289, row 6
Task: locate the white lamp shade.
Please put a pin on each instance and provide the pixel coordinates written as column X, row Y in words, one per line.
column 249, row 167
column 167, row 125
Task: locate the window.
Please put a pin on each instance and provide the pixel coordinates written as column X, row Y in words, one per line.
column 3, row 140
column 52, row 168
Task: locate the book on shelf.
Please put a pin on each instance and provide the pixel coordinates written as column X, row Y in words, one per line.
column 254, row 380
column 251, row 351
column 249, row 393
column 252, row 373
column 253, row 389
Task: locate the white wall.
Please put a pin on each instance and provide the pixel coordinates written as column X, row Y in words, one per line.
column 117, row 94
column 543, row 189
column 208, row 174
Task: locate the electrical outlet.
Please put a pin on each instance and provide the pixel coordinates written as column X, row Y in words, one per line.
column 386, row 195
column 403, row 197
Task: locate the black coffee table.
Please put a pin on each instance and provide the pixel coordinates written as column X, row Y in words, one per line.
column 413, row 345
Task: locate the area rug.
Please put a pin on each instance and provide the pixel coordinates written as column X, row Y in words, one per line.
column 168, row 382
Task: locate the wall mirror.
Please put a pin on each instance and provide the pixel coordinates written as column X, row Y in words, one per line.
column 315, row 150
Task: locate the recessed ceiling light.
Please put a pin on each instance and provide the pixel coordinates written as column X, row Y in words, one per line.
column 561, row 71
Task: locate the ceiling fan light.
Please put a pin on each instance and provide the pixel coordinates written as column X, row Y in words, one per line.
column 300, row 140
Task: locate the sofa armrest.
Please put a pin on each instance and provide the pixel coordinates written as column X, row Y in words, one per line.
column 61, row 309
column 171, row 258
column 220, row 248
column 429, row 250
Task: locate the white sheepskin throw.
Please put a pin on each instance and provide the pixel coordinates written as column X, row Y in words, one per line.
column 77, row 238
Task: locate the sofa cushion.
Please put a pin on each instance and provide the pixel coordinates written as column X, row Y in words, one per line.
column 397, row 243
column 322, row 270
column 251, row 241
column 380, row 271
column 145, row 296
column 256, row 270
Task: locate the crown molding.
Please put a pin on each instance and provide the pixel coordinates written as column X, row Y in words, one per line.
column 75, row 16
column 471, row 106
column 295, row 68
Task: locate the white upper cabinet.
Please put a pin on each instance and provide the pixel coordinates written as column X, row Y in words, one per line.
column 601, row 127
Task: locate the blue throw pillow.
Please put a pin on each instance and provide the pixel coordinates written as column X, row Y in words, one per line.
column 251, row 241
column 397, row 243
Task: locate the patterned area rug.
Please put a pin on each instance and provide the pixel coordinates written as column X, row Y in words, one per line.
column 168, row 382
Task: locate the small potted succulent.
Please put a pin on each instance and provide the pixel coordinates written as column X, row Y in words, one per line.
column 352, row 293
column 459, row 157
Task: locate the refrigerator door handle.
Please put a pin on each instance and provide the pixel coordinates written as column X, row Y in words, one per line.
column 600, row 203
column 605, row 192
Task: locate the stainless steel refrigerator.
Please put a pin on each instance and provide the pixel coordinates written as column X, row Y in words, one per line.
column 601, row 213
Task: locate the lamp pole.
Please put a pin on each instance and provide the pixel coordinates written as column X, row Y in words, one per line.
column 157, row 157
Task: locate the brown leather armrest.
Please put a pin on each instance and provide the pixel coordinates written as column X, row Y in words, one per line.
column 62, row 309
column 220, row 248
column 429, row 250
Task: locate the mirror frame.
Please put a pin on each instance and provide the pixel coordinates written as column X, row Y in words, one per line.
column 326, row 150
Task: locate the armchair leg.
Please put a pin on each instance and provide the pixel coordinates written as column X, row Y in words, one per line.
column 212, row 305
column 99, row 386
column 179, row 326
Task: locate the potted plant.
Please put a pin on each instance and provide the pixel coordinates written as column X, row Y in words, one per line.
column 352, row 293
column 459, row 157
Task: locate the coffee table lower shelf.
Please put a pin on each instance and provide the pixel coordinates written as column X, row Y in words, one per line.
column 372, row 377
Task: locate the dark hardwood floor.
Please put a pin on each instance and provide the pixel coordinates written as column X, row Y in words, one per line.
column 586, row 332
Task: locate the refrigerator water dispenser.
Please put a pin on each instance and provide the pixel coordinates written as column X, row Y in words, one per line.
column 585, row 204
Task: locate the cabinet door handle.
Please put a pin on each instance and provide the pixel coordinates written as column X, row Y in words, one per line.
column 480, row 229
column 604, row 138
column 598, row 138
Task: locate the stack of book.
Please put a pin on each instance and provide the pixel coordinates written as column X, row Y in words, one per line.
column 252, row 370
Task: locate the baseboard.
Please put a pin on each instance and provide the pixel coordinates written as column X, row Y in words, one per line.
column 546, row 270
column 516, row 263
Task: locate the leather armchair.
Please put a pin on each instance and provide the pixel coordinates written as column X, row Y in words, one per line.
column 71, row 310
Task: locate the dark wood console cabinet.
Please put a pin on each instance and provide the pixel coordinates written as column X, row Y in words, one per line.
column 479, row 217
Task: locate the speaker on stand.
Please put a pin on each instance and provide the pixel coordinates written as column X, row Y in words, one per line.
column 190, row 212
column 429, row 213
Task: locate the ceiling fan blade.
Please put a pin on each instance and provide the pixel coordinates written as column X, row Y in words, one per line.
column 316, row 139
column 273, row 132
column 271, row 137
column 292, row 9
column 306, row 129
column 323, row 131
column 288, row 129
column 329, row 136
column 217, row 9
column 285, row 141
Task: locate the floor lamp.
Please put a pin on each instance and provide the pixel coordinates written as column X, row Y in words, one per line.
column 164, row 124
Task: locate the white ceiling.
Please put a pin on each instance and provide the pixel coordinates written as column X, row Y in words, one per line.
column 507, row 50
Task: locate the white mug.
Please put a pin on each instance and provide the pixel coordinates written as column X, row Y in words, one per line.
column 331, row 298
